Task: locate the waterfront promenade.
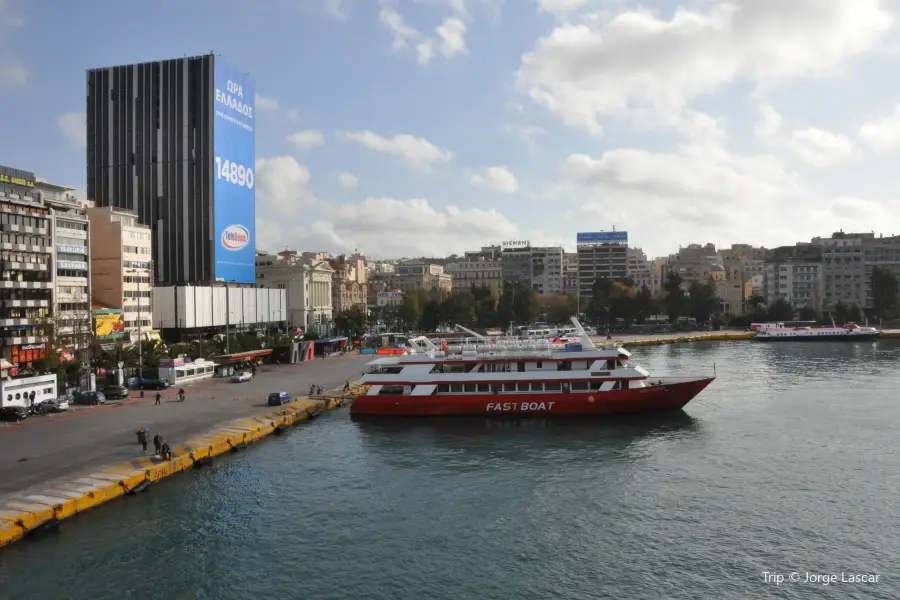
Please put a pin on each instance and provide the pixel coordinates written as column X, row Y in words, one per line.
column 43, row 449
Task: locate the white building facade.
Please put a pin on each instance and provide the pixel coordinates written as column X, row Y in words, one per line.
column 307, row 283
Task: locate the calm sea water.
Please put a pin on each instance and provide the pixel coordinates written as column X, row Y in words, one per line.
column 787, row 463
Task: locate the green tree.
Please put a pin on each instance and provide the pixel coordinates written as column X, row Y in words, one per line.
column 598, row 308
column 780, row 310
column 884, row 292
column 704, row 302
column 485, row 307
column 854, row 313
column 410, row 312
column 351, row 322
column 645, row 304
column 808, row 313
column 754, row 301
column 841, row 313
column 676, row 302
column 622, row 303
column 559, row 308
column 432, row 316
column 458, row 308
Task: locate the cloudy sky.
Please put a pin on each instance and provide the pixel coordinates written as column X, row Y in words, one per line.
column 408, row 127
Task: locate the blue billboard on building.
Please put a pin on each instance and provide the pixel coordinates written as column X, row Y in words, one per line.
column 600, row 237
column 234, row 187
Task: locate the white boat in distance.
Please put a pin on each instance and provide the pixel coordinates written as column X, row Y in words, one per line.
column 851, row 332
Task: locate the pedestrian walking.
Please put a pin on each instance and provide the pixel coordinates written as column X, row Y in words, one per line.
column 318, row 390
column 158, row 399
column 347, row 386
column 312, row 390
column 142, row 438
column 157, row 443
column 181, row 394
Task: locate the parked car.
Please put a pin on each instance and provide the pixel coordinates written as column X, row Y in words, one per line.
column 89, row 398
column 55, row 405
column 116, row 392
column 279, row 398
column 155, row 384
column 13, row 413
column 241, row 376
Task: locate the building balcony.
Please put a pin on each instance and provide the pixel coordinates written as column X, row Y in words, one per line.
column 10, row 228
column 18, row 322
column 7, row 338
column 26, row 285
column 26, row 248
column 26, row 303
column 8, row 265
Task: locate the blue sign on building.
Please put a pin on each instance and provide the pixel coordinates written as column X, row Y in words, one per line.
column 602, row 236
column 234, row 186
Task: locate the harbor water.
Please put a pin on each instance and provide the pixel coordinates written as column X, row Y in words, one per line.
column 787, row 464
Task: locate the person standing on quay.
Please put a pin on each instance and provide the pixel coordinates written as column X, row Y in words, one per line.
column 158, row 398
column 142, row 439
column 157, row 443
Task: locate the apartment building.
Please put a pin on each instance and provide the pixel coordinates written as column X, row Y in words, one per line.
column 844, row 270
column 348, row 283
column 570, row 273
column 480, row 268
column 26, row 277
column 637, row 261
column 795, row 274
column 601, row 255
column 516, row 262
column 392, row 298
column 547, row 269
column 73, row 330
column 121, row 268
column 307, row 282
column 419, row 275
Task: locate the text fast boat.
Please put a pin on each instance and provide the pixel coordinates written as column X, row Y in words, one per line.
column 851, row 332
column 519, row 378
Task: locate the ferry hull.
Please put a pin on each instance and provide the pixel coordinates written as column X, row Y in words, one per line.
column 864, row 337
column 660, row 398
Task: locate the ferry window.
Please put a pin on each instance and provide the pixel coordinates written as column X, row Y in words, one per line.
column 456, row 388
column 595, row 385
column 520, row 366
column 579, row 386
column 552, row 386
column 18, row 395
column 615, row 385
column 483, row 387
column 540, row 364
column 537, row 387
column 443, row 388
column 9, row 397
column 509, row 387
column 625, row 385
column 469, row 388
column 481, row 368
column 523, row 387
column 611, row 364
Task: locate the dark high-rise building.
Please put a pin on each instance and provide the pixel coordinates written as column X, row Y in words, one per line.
column 173, row 141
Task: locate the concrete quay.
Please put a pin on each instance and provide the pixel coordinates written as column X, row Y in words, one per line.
column 52, row 468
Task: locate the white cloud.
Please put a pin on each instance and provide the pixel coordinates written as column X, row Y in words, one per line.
column 402, row 33
column 388, row 227
column 450, row 40
column 590, row 69
column 265, row 102
column 417, row 151
column 13, row 74
column 348, row 179
column 73, row 126
column 281, row 187
column 292, row 115
column 526, row 132
column 814, row 146
column 304, row 140
column 498, row 179
column 561, row 7
column 883, row 132
column 336, row 9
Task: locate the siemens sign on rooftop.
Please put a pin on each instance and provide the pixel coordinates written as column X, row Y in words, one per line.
column 174, row 142
column 233, row 184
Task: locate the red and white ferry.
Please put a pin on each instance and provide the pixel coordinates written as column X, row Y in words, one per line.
column 506, row 378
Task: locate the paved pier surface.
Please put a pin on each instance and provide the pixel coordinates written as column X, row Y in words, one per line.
column 42, row 449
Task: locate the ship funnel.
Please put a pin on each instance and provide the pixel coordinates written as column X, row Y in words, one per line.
column 586, row 342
